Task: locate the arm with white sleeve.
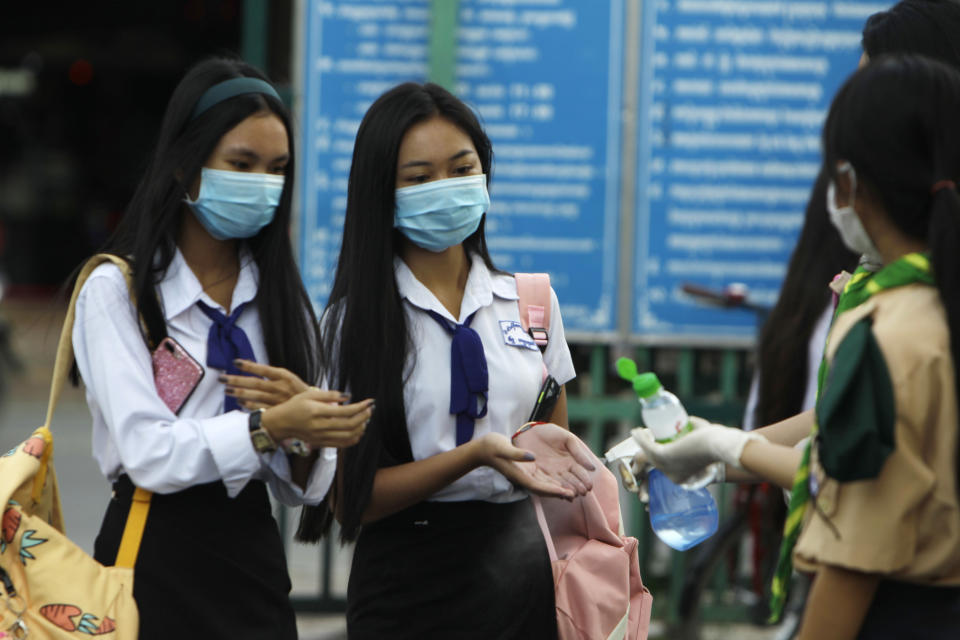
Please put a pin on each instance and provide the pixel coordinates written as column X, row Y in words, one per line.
column 144, row 439
column 135, row 433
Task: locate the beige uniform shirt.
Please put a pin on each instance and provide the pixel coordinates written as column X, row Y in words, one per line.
column 905, row 523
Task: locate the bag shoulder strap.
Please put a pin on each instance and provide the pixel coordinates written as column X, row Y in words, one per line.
column 533, row 290
column 137, row 518
column 133, row 530
column 64, row 359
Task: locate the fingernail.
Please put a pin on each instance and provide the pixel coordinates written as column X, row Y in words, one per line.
column 238, row 362
column 529, row 456
column 222, row 378
column 344, row 397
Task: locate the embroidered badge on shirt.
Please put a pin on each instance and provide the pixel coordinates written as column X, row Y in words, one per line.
column 515, row 336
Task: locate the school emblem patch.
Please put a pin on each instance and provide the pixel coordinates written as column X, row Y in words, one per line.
column 515, row 336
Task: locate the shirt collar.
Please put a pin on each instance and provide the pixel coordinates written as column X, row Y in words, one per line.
column 179, row 289
column 479, row 291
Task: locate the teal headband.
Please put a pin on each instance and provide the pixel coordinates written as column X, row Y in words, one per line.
column 229, row 89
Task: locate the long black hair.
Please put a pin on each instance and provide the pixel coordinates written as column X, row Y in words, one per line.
column 924, row 27
column 148, row 231
column 895, row 121
column 783, row 353
column 365, row 340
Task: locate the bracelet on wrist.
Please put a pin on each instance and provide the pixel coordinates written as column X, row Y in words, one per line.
column 525, row 427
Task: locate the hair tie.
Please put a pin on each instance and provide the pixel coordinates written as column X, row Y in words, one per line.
column 942, row 184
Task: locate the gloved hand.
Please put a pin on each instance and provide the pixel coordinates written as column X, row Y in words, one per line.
column 705, row 444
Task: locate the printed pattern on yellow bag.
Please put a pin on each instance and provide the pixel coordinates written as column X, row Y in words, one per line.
column 64, row 616
column 90, row 600
column 11, row 522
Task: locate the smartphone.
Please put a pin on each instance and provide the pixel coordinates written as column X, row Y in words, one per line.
column 175, row 373
column 546, row 400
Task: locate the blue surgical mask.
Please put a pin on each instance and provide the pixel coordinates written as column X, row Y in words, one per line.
column 235, row 204
column 440, row 214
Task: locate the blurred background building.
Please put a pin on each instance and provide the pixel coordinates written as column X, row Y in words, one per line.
column 82, row 89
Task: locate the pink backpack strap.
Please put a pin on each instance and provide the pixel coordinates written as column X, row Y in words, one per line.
column 544, row 527
column 533, row 290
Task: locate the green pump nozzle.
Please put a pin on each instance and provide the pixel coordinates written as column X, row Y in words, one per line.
column 644, row 384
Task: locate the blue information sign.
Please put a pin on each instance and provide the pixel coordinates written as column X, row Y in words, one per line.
column 733, row 95
column 545, row 78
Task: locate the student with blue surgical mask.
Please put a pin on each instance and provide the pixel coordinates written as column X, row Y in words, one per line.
column 206, row 237
column 435, row 494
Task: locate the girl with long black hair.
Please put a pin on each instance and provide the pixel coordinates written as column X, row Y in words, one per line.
column 206, row 236
column 874, row 509
column 434, row 494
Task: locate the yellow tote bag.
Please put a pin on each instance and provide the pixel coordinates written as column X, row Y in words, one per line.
column 49, row 587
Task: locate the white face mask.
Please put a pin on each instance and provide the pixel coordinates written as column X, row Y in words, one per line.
column 847, row 222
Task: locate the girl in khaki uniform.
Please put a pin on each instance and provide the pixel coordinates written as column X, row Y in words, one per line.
column 874, row 511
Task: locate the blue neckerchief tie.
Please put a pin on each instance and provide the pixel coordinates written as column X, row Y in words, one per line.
column 468, row 375
column 225, row 343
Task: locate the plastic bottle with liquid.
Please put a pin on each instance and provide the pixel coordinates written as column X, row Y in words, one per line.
column 681, row 517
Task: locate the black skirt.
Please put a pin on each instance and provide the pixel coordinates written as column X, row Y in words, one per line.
column 901, row 610
column 452, row 570
column 209, row 566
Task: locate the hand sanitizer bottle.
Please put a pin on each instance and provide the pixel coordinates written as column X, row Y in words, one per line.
column 681, row 517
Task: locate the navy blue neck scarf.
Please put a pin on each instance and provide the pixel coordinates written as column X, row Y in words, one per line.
column 469, row 381
column 225, row 343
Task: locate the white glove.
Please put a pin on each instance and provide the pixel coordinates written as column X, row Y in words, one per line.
column 689, row 454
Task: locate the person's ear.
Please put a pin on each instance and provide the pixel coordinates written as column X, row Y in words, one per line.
column 192, row 190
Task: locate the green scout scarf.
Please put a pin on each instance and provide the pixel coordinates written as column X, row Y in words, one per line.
column 862, row 390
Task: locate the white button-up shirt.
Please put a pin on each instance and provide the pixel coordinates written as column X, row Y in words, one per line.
column 515, row 372
column 133, row 430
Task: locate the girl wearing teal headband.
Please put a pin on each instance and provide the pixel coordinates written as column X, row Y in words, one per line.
column 207, row 236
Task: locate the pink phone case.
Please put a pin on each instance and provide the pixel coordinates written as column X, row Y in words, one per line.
column 176, row 373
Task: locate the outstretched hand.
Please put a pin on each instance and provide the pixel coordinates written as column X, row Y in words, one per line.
column 552, row 461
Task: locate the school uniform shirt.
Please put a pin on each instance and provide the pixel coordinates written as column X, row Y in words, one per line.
column 514, row 363
column 133, row 430
column 905, row 522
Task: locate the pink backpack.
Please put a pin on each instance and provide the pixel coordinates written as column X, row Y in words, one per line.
column 596, row 569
